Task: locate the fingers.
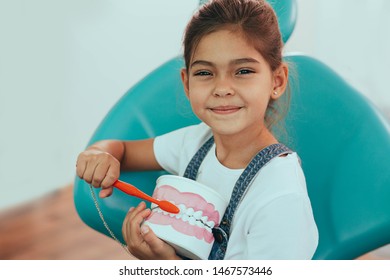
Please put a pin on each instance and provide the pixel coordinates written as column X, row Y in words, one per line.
column 131, row 229
column 112, row 174
column 161, row 250
column 99, row 173
column 124, row 224
column 141, row 240
column 127, row 226
column 105, row 192
column 81, row 166
column 156, row 244
column 89, row 173
column 138, row 215
column 99, row 169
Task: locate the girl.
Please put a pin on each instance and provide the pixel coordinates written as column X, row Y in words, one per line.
column 234, row 75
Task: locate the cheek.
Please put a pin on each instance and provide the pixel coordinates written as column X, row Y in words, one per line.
column 197, row 94
column 196, row 86
column 258, row 101
column 196, row 103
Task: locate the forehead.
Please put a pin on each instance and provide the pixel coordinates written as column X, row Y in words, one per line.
column 224, row 44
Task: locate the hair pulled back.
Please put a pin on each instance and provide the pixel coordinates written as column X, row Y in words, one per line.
column 254, row 18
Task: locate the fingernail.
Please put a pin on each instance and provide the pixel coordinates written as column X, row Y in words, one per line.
column 141, row 205
column 144, row 229
column 131, row 209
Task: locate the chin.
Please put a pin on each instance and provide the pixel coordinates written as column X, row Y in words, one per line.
column 226, row 129
column 233, row 128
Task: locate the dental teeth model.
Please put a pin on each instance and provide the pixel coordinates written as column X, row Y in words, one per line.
column 201, row 209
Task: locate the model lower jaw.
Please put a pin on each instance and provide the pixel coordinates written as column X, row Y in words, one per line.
column 184, row 224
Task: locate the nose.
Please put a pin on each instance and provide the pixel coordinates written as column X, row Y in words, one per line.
column 223, row 87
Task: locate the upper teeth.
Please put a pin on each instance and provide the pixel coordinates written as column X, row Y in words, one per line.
column 189, row 215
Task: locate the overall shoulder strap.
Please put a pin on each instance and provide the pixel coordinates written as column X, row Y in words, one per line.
column 222, row 232
column 193, row 167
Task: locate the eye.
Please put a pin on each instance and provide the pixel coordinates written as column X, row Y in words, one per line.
column 244, row 72
column 202, row 73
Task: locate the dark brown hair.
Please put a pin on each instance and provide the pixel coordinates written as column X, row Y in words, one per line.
column 255, row 19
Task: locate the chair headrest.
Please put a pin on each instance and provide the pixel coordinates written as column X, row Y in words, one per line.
column 286, row 11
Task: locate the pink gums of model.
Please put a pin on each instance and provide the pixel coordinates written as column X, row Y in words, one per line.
column 189, row 231
column 197, row 217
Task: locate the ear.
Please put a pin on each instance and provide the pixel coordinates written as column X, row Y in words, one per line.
column 280, row 81
column 184, row 80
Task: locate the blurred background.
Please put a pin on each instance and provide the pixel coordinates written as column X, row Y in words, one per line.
column 64, row 64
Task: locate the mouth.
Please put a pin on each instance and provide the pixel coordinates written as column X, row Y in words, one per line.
column 196, row 218
column 225, row 110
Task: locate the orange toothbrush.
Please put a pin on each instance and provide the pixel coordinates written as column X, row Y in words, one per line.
column 133, row 191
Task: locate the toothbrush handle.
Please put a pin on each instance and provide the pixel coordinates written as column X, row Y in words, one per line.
column 132, row 190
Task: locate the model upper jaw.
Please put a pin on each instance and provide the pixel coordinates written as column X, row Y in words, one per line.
column 188, row 203
column 196, row 218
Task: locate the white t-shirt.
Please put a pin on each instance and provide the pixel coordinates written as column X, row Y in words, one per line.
column 274, row 219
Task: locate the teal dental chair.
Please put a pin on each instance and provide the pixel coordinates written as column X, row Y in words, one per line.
column 343, row 142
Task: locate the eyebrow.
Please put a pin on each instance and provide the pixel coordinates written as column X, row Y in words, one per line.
column 234, row 62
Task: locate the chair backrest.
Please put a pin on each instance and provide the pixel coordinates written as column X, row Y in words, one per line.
column 344, row 143
column 341, row 138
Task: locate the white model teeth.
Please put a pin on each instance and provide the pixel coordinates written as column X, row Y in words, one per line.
column 191, row 221
column 198, row 215
column 199, row 223
column 210, row 224
column 189, row 215
column 185, row 218
column 190, row 211
column 178, row 216
column 182, row 208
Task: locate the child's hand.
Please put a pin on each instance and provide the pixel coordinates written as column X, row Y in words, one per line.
column 98, row 168
column 141, row 241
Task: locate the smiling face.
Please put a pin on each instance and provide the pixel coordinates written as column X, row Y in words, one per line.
column 229, row 83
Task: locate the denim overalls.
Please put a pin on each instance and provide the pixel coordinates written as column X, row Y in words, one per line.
column 221, row 233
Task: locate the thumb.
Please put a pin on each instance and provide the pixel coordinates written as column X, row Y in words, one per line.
column 155, row 243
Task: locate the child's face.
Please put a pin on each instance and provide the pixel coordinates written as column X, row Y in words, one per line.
column 229, row 83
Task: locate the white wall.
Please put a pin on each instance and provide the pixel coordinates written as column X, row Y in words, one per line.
column 63, row 64
column 353, row 37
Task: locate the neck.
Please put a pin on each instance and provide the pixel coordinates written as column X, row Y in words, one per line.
column 236, row 151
